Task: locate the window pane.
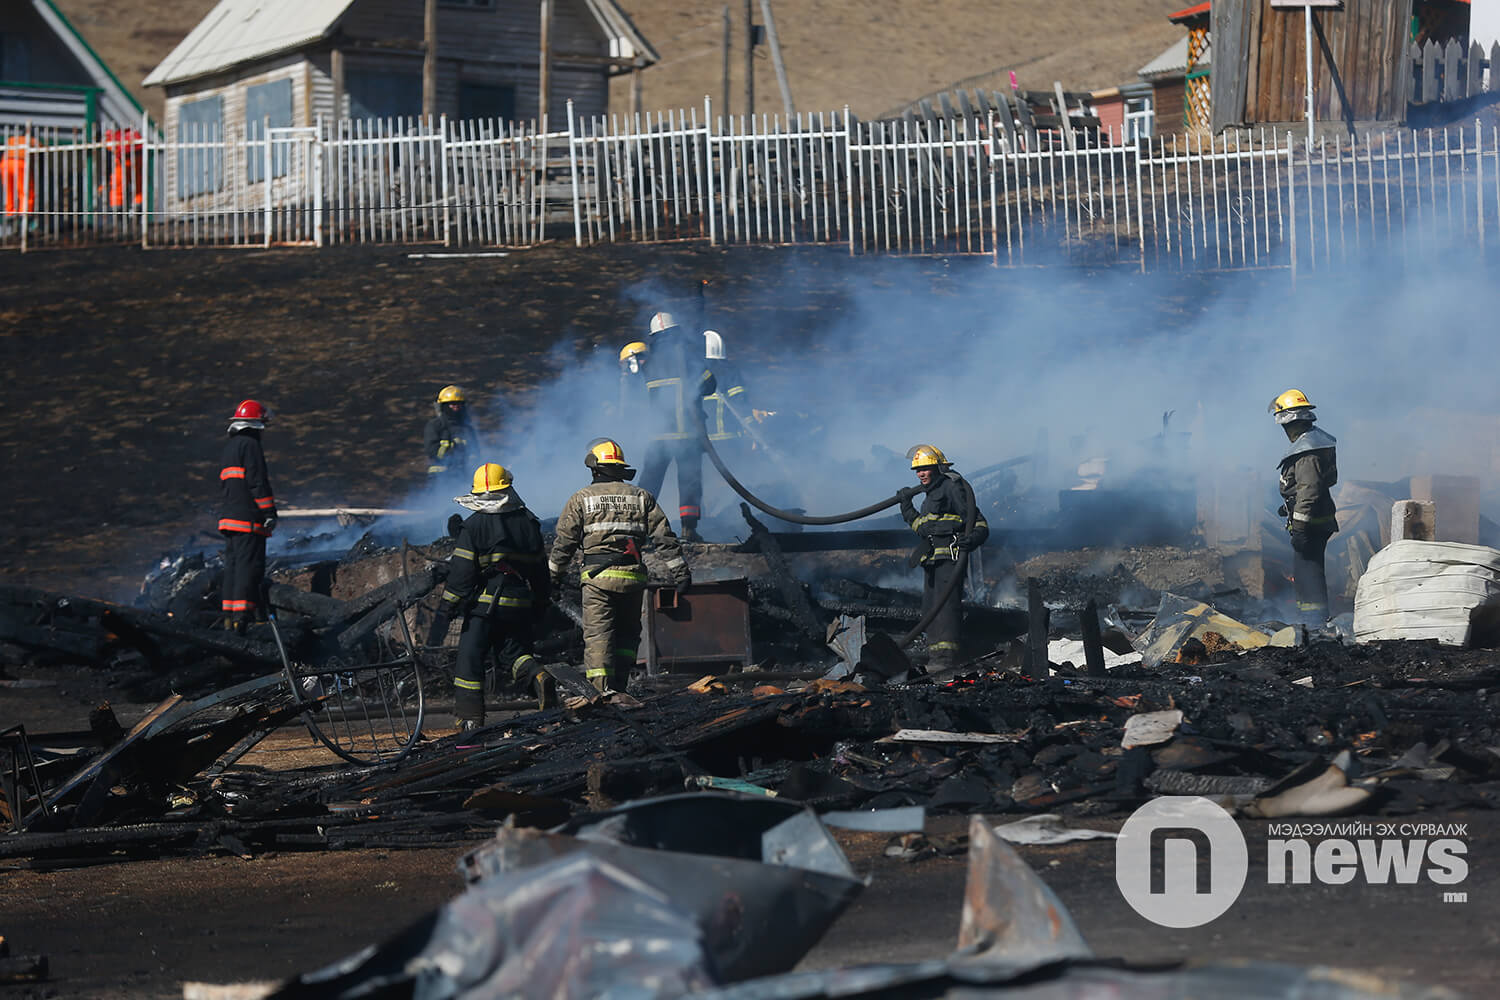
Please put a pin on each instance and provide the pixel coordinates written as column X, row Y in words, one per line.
column 266, row 103
column 200, row 158
column 379, row 94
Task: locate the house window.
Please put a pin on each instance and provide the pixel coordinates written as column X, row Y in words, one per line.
column 200, row 153
column 380, row 94
column 266, row 104
column 1139, row 118
column 486, row 100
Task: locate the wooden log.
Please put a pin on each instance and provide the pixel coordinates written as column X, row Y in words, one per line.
column 403, row 589
column 366, row 626
column 1093, row 646
column 324, row 610
column 1036, row 636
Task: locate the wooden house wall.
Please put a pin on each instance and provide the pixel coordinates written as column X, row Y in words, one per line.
column 1169, row 99
column 1111, row 112
column 498, row 46
column 230, row 89
column 1365, row 42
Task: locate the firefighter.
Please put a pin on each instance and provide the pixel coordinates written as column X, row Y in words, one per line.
column 497, row 582
column 676, row 383
column 729, row 412
column 609, row 521
column 449, row 437
column 1309, row 470
column 941, row 527
column 247, row 517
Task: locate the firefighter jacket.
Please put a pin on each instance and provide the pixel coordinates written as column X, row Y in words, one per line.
column 1309, row 470
column 247, row 486
column 609, row 522
column 941, row 521
column 447, row 445
column 676, row 380
column 499, row 562
column 727, row 406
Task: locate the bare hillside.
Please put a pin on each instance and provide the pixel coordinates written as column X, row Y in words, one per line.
column 874, row 55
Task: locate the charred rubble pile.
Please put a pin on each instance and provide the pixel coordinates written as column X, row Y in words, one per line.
column 821, row 707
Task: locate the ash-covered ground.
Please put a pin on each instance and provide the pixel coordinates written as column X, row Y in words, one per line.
column 124, row 365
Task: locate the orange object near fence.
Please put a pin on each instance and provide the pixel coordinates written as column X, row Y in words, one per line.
column 124, row 146
column 20, row 194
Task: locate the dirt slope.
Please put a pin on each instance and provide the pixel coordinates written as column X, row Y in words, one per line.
column 872, row 56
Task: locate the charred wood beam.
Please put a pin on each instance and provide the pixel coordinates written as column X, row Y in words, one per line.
column 402, row 590
column 322, row 609
column 792, row 592
column 366, row 626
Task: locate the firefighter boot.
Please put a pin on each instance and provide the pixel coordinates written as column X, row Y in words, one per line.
column 690, row 529
column 468, row 705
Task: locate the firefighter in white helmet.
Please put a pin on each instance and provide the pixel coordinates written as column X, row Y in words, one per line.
column 1308, row 471
column 942, row 532
column 610, row 522
column 676, row 384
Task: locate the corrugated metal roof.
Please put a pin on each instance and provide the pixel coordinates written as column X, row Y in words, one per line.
column 239, row 31
column 1173, row 62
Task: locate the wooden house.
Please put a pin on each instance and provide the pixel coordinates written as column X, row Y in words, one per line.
column 51, row 78
column 1180, row 76
column 1362, row 71
column 290, row 62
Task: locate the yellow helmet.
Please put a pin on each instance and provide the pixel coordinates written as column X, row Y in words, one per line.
column 451, row 394
column 924, row 455
column 632, row 349
column 603, row 451
column 490, row 477
column 1291, row 405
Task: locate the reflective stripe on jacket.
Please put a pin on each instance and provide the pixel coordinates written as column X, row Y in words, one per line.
column 941, row 520
column 498, row 562
column 246, row 485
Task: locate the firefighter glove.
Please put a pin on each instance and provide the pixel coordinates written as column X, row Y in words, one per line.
column 967, row 543
column 1299, row 539
column 455, row 525
column 439, row 630
column 909, row 493
column 269, row 524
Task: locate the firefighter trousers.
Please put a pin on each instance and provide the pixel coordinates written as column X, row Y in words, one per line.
column 509, row 638
column 244, row 575
column 611, row 635
column 688, row 454
column 943, row 630
column 1310, row 579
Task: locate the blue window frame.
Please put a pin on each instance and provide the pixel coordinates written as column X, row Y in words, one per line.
column 200, row 157
column 266, row 104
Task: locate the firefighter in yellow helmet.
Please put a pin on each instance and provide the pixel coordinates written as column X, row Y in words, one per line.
column 610, row 521
column 1308, row 471
column 449, row 437
column 941, row 526
column 498, row 584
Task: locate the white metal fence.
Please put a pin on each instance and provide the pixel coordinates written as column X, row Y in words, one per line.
column 944, row 186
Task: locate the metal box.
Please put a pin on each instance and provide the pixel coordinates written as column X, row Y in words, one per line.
column 710, row 624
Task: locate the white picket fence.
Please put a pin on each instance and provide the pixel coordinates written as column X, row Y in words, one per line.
column 955, row 186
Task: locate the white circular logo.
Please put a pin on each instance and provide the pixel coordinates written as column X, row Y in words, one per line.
column 1181, row 861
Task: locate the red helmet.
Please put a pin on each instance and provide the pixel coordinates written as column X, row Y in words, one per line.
column 251, row 410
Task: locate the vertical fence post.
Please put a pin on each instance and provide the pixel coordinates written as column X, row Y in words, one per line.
column 1291, row 199
column 145, row 180
column 317, row 150
column 1140, row 202
column 443, row 170
column 573, row 169
column 1478, row 177
column 849, row 175
column 265, row 135
column 25, row 194
column 708, row 154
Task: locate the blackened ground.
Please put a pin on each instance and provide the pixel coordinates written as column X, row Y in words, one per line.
column 120, row 365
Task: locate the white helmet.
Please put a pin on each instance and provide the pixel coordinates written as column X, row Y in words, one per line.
column 662, row 321
column 713, row 345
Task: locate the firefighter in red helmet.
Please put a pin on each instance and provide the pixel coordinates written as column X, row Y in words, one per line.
column 247, row 516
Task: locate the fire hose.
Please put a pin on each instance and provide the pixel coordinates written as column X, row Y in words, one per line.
column 961, row 564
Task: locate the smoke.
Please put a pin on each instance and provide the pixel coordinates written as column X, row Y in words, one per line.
column 860, row 358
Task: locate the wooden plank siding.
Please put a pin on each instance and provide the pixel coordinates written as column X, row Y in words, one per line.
column 230, row 89
column 1365, row 43
column 1169, row 98
column 499, row 46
